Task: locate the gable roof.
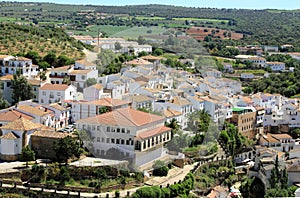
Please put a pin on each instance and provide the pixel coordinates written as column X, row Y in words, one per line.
column 80, row 71
column 21, row 124
column 55, row 87
column 108, row 102
column 138, row 61
column 123, row 117
column 10, row 136
column 34, row 110
column 7, row 77
column 140, row 98
column 153, row 132
column 171, row 113
column 294, row 168
column 97, row 86
column 11, row 115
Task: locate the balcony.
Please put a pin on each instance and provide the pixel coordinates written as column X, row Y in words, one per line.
column 56, row 76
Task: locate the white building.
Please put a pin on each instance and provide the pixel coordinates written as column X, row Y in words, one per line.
column 85, row 109
column 11, row 64
column 126, row 134
column 52, row 93
column 276, row 66
column 15, row 136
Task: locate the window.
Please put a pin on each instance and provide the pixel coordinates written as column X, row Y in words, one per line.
column 108, row 129
column 103, row 139
column 93, row 127
column 82, row 77
column 107, row 140
column 98, row 139
column 122, row 141
column 128, row 131
column 113, row 130
column 98, row 128
column 58, row 94
column 118, row 130
column 44, row 93
column 112, row 140
column 117, row 141
column 123, row 130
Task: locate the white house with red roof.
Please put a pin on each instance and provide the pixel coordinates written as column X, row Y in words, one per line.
column 135, row 135
column 51, row 93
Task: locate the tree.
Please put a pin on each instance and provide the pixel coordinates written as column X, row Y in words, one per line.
column 43, row 76
column 50, row 58
column 64, row 175
column 27, row 154
column 103, row 110
column 157, row 52
column 141, row 40
column 66, row 148
column 198, row 121
column 21, row 89
column 64, row 60
column 66, row 80
column 118, row 46
column 142, row 53
column 173, row 124
column 160, row 169
column 91, row 81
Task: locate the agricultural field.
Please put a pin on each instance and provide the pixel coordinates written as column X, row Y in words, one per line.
column 201, row 19
column 135, row 32
column 93, row 30
column 199, row 33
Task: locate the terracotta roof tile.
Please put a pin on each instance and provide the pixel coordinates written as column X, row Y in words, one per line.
column 51, row 134
column 97, row 86
column 63, row 68
column 294, row 168
column 21, row 124
column 171, row 113
column 140, row 98
column 153, row 132
column 180, row 101
column 150, row 57
column 11, row 115
column 282, row 136
column 39, row 111
column 138, row 61
column 123, row 117
column 10, row 136
column 108, row 102
column 7, row 77
column 56, row 87
column 80, row 71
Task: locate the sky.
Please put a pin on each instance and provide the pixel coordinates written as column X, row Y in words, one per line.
column 247, row 4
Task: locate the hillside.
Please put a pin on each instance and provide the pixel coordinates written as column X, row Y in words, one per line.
column 20, row 39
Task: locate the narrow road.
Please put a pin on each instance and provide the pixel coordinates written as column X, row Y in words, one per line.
column 90, row 56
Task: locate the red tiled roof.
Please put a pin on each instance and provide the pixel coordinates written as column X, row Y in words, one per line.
column 11, row 115
column 153, row 132
column 107, row 102
column 10, row 136
column 123, row 117
column 57, row 87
